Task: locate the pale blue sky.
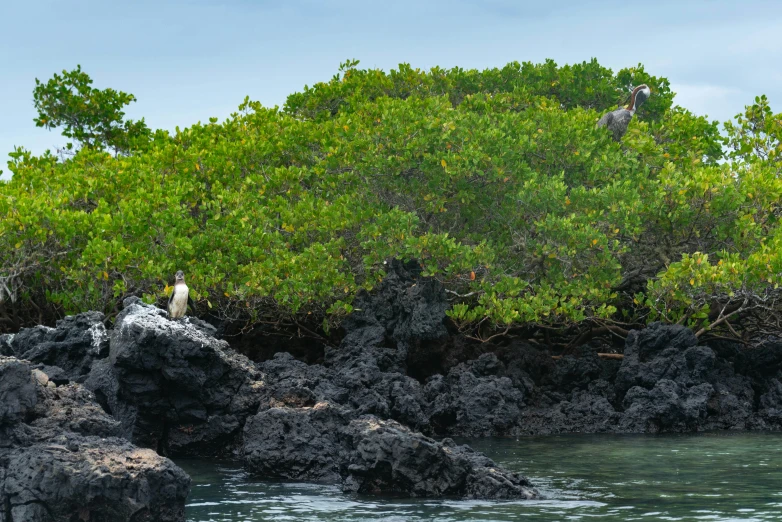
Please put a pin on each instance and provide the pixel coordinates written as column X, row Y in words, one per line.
column 187, row 60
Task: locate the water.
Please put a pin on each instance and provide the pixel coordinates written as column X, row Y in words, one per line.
column 713, row 477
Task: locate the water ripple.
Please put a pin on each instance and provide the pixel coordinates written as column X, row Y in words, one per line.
column 714, row 476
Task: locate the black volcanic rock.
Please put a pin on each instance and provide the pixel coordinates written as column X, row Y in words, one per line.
column 668, row 406
column 662, row 352
column 297, row 443
column 173, row 386
column 366, row 416
column 18, row 393
column 386, row 457
column 353, row 418
column 404, row 309
column 473, row 400
column 73, row 345
column 367, row 372
column 329, row 444
column 580, row 412
column 666, row 382
column 61, row 459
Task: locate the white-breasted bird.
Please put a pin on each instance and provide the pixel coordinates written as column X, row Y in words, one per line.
column 618, row 120
column 179, row 298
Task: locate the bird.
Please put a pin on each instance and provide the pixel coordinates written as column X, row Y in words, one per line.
column 179, row 298
column 618, row 120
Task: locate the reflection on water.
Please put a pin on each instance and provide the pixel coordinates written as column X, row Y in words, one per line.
column 716, row 476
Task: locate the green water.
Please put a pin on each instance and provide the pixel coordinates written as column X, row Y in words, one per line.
column 717, row 476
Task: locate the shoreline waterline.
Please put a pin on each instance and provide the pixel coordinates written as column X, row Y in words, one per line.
column 706, row 476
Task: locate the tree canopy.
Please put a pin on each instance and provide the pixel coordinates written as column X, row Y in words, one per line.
column 92, row 117
column 497, row 181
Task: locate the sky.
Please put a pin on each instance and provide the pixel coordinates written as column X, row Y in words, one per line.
column 188, row 60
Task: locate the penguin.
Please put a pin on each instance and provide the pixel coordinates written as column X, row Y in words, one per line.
column 618, row 120
column 179, row 298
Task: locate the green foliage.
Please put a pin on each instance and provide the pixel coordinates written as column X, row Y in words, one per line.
column 586, row 85
column 732, row 212
column 92, row 117
column 497, row 181
column 757, row 133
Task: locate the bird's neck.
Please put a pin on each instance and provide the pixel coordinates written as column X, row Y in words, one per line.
column 631, row 106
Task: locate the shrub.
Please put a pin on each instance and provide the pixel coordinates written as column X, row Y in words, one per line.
column 497, row 181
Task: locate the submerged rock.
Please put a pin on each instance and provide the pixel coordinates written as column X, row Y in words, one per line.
column 61, row 458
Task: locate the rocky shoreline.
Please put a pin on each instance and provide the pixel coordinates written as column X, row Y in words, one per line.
column 88, row 416
column 62, row 457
